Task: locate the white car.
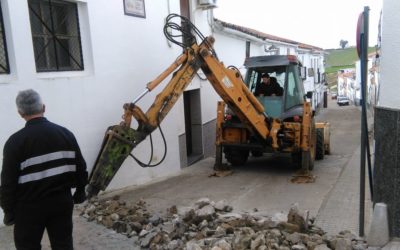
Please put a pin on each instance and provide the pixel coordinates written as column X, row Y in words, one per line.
column 343, row 100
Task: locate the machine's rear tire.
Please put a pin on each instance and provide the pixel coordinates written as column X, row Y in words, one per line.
column 237, row 157
column 320, row 147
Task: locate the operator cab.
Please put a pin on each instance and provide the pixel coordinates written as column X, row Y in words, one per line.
column 286, row 71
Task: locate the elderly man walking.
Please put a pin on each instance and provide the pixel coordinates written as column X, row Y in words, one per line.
column 41, row 163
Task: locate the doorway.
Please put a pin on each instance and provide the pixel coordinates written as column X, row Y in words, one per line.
column 193, row 126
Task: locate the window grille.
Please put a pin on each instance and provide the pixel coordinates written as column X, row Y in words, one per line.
column 55, row 35
column 4, row 64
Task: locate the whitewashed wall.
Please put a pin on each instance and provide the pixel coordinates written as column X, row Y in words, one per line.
column 390, row 56
column 315, row 61
column 231, row 50
column 121, row 55
column 371, row 92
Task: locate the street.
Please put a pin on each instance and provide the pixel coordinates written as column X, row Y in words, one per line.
column 262, row 183
column 261, row 186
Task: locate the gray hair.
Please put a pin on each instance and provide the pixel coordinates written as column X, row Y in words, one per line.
column 29, row 102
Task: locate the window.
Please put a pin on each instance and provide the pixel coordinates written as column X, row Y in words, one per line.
column 248, row 44
column 55, row 35
column 252, row 78
column 294, row 91
column 310, row 72
column 4, row 65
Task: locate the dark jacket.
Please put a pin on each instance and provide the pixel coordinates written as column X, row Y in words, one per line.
column 41, row 160
column 267, row 90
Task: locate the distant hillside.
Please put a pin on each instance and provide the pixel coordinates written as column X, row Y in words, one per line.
column 337, row 59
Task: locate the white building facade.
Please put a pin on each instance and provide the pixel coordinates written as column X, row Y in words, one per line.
column 107, row 62
column 106, row 55
column 258, row 43
column 387, row 117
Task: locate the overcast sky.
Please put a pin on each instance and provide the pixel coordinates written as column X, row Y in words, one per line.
column 322, row 23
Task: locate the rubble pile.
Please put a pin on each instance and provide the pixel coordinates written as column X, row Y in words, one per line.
column 213, row 225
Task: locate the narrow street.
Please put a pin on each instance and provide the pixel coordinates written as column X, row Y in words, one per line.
column 262, row 186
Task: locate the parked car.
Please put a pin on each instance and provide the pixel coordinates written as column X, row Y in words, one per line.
column 333, row 96
column 343, row 100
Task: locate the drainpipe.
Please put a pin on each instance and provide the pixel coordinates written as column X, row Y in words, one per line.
column 169, row 12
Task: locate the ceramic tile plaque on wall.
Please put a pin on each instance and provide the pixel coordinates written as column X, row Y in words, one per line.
column 135, row 8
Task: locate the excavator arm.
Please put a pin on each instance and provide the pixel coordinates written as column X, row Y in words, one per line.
column 226, row 82
column 121, row 139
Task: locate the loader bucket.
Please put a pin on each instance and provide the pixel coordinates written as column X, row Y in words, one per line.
column 117, row 144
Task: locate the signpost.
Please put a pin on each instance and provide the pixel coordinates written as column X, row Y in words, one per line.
column 362, row 50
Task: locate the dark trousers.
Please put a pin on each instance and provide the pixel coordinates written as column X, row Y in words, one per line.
column 53, row 214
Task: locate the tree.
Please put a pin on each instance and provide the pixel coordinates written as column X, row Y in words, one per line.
column 343, row 43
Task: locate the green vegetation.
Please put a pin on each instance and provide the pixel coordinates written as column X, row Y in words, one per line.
column 335, row 69
column 331, row 80
column 342, row 58
column 337, row 59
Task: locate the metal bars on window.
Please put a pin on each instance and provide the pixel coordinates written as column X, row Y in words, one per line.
column 56, row 35
column 4, row 64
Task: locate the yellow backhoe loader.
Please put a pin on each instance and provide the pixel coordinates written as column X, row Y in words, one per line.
column 245, row 123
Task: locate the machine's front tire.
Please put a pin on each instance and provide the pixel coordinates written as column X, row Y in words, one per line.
column 320, row 147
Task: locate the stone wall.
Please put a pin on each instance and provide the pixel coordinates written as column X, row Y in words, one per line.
column 387, row 164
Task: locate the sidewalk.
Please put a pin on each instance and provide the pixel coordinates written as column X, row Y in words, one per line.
column 341, row 208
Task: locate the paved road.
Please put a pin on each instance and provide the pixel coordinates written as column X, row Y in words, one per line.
column 263, row 184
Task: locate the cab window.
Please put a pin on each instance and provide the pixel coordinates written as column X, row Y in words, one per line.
column 253, row 77
column 294, row 92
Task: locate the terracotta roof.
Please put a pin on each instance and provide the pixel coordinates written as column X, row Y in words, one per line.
column 307, row 46
column 373, row 54
column 265, row 36
column 347, row 74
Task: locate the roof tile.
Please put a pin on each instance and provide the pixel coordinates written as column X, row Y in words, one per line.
column 264, row 36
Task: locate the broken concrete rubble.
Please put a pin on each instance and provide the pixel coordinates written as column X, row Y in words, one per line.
column 212, row 225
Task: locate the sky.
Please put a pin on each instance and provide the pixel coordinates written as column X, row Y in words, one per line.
column 321, row 23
